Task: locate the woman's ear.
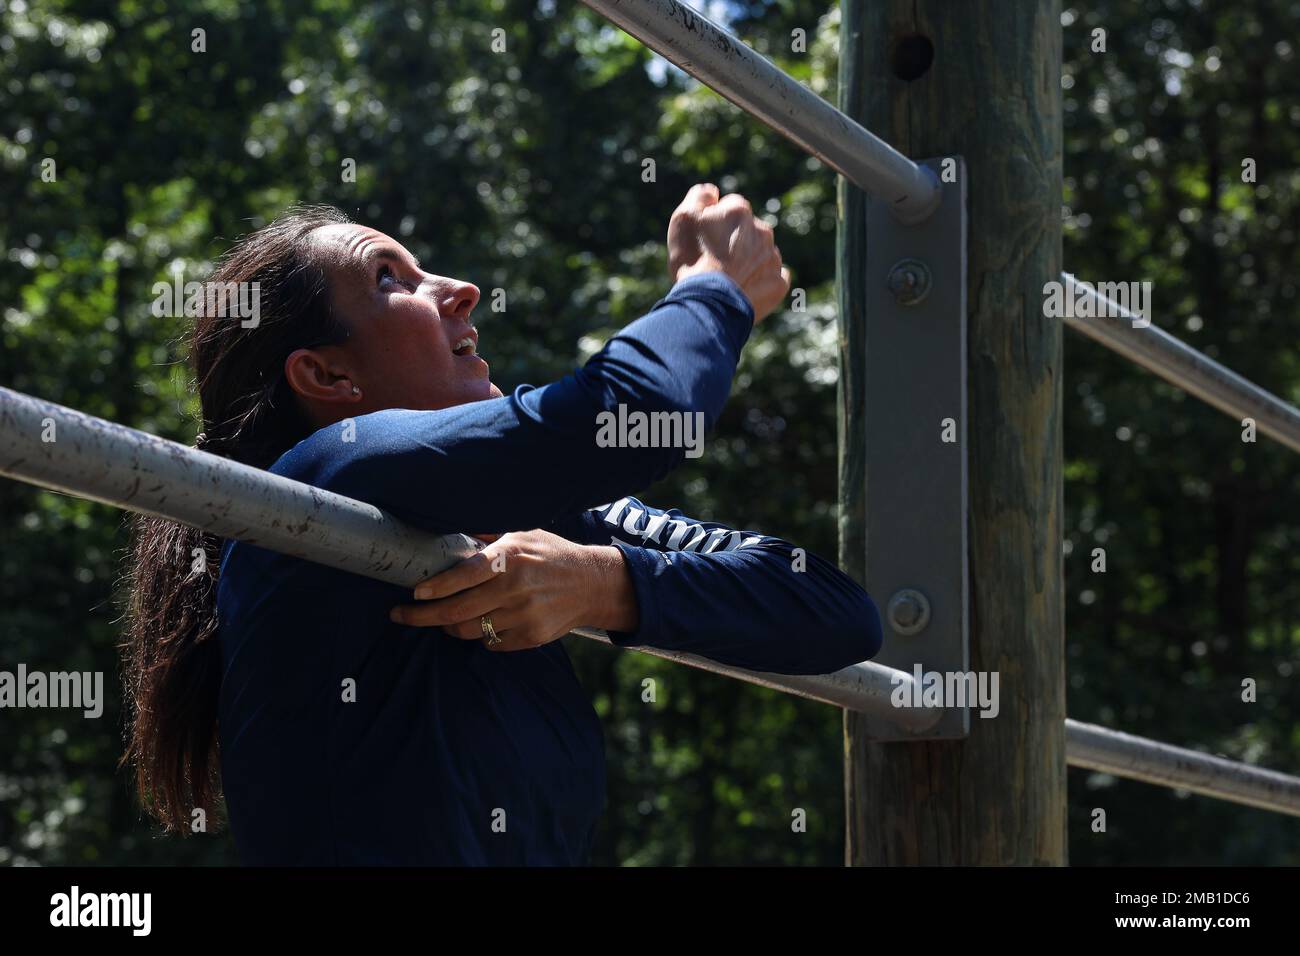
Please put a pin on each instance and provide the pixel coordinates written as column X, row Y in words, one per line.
column 318, row 379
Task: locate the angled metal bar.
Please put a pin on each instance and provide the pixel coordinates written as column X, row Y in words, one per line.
column 1180, row 364
column 866, row 686
column 59, row 448
column 65, row 450
column 56, row 447
column 1150, row 761
column 751, row 81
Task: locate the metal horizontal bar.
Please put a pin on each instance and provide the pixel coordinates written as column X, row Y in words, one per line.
column 96, row 459
column 1138, row 758
column 866, row 686
column 56, row 447
column 1180, row 364
column 60, row 448
column 751, row 81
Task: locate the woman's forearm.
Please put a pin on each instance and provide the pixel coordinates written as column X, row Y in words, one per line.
column 734, row 596
column 612, row 605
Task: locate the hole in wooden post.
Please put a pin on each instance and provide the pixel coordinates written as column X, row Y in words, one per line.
column 912, row 57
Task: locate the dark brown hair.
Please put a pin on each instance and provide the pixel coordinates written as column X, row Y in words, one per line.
column 171, row 658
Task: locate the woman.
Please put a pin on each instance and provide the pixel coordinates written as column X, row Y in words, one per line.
column 347, row 731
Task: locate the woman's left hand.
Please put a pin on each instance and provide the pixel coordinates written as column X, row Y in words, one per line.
column 533, row 586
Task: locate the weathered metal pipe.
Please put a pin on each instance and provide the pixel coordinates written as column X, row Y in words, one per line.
column 59, row 448
column 1150, row 761
column 1129, row 335
column 751, row 81
column 63, row 449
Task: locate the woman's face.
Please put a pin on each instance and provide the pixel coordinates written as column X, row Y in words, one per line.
column 412, row 342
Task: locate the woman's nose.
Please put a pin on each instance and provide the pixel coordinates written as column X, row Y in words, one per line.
column 457, row 298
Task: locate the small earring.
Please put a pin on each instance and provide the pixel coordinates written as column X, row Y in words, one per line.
column 355, row 390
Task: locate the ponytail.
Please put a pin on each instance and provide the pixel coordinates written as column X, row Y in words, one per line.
column 171, row 653
column 173, row 669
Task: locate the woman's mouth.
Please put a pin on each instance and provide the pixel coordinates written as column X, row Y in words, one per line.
column 466, row 350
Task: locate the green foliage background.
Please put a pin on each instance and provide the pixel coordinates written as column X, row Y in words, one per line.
column 522, row 171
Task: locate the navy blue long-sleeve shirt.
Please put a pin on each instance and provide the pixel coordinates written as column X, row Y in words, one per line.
column 348, row 739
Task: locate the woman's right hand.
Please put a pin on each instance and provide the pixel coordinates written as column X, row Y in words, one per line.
column 708, row 234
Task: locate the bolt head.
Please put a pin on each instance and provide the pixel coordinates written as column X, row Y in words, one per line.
column 908, row 612
column 909, row 281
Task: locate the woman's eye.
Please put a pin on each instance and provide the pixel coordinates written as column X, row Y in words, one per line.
column 386, row 273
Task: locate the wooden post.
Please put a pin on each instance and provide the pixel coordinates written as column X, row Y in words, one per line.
column 993, row 95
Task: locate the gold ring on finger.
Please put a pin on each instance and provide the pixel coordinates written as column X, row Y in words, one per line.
column 489, row 632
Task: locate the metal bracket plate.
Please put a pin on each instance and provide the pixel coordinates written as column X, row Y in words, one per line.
column 916, row 442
